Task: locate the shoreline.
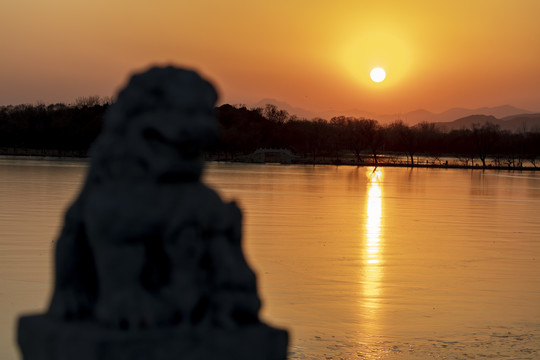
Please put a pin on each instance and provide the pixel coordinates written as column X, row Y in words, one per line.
column 83, row 155
column 347, row 161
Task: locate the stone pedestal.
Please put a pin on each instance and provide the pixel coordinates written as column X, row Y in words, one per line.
column 42, row 337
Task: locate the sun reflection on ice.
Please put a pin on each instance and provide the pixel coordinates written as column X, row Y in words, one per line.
column 374, row 214
column 372, row 249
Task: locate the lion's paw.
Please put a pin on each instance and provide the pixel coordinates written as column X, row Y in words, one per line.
column 129, row 310
column 70, row 304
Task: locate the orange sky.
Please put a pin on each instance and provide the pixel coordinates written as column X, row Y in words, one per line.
column 312, row 54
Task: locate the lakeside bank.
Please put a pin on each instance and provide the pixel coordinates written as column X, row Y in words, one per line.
column 385, row 160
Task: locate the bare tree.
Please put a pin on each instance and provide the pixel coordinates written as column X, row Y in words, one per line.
column 272, row 113
column 355, row 137
column 89, row 101
column 373, row 136
column 404, row 138
column 485, row 137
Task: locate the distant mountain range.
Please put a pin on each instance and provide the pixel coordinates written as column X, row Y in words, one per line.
column 514, row 123
column 507, row 116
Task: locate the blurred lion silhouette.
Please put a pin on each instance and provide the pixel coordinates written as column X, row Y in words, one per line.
column 146, row 243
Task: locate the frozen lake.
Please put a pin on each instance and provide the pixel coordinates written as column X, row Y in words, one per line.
column 358, row 263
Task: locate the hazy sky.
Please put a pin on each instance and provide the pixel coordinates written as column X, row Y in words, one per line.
column 312, row 54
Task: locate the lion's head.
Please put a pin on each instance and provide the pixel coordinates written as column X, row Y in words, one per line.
column 158, row 127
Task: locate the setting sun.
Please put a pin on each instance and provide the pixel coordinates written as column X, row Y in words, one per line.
column 377, row 74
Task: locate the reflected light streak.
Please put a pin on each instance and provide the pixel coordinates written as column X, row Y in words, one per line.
column 373, row 256
column 373, row 224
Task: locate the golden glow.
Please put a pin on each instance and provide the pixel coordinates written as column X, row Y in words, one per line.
column 377, row 74
column 438, row 55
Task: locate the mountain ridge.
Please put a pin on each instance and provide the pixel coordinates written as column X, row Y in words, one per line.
column 410, row 118
column 513, row 123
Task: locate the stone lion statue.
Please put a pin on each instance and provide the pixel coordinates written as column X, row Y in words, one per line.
column 146, row 244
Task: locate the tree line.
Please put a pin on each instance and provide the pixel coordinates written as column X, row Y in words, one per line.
column 341, row 139
column 367, row 141
column 66, row 128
